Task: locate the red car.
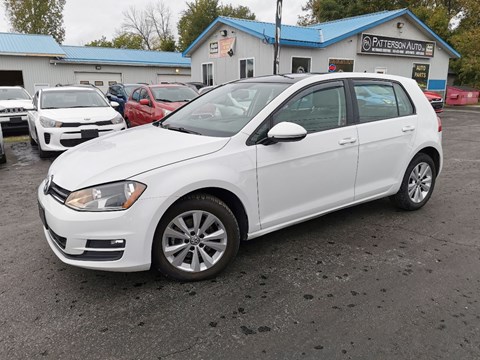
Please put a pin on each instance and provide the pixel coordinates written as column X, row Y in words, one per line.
column 435, row 99
column 150, row 103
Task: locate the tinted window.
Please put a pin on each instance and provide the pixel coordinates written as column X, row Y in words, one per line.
column 376, row 101
column 405, row 106
column 316, row 109
column 144, row 94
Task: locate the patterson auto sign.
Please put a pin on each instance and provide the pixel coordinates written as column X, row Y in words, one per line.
column 383, row 45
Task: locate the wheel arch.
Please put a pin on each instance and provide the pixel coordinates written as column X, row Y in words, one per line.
column 435, row 155
column 230, row 199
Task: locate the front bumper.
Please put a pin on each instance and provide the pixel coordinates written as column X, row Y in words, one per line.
column 64, row 138
column 14, row 121
column 77, row 237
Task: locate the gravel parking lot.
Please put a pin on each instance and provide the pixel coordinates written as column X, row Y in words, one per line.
column 369, row 282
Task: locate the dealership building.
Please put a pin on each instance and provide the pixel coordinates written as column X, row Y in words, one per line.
column 38, row 61
column 391, row 42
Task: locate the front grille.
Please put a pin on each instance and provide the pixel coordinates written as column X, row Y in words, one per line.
column 47, row 137
column 60, row 194
column 77, row 124
column 59, row 240
column 12, row 110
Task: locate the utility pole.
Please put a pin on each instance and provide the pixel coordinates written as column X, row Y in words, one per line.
column 276, row 47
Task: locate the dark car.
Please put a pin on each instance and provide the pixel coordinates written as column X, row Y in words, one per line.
column 120, row 93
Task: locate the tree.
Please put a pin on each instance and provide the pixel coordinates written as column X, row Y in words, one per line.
column 121, row 41
column 201, row 13
column 137, row 22
column 37, row 17
column 102, row 42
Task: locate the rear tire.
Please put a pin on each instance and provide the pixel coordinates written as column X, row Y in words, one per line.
column 3, row 159
column 417, row 184
column 195, row 239
column 128, row 123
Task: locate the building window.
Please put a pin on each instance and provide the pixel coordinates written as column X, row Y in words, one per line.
column 340, row 65
column 247, row 68
column 301, row 64
column 207, row 74
column 98, row 83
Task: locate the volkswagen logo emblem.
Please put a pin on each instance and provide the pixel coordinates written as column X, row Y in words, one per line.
column 48, row 182
column 367, row 43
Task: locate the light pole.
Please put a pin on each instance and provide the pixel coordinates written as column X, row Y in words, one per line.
column 276, row 47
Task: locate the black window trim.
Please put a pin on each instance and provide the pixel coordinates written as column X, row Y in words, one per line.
column 325, row 84
column 365, row 81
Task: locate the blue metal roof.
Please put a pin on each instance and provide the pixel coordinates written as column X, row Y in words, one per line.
column 99, row 55
column 29, row 45
column 318, row 35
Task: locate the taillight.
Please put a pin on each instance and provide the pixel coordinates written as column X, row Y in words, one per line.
column 439, row 124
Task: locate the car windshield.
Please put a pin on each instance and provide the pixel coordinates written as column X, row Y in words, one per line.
column 67, row 99
column 129, row 89
column 225, row 110
column 14, row 94
column 173, row 93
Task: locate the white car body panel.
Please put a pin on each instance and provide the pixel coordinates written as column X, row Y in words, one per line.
column 10, row 108
column 278, row 185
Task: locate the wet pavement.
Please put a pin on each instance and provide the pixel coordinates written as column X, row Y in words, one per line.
column 369, row 282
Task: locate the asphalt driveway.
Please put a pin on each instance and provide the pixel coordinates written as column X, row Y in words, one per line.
column 369, row 282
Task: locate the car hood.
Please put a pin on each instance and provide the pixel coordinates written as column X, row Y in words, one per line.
column 432, row 95
column 80, row 114
column 121, row 155
column 9, row 104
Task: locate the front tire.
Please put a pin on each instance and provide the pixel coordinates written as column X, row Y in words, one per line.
column 417, row 184
column 196, row 238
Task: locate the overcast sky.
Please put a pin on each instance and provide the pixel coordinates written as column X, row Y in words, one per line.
column 87, row 20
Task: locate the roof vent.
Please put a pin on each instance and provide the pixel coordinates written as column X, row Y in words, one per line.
column 321, row 35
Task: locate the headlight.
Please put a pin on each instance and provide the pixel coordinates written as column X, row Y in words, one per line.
column 108, row 197
column 49, row 123
column 117, row 119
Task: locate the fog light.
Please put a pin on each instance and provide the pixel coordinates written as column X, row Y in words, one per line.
column 106, row 244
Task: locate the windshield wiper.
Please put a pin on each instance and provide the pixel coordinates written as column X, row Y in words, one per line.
column 164, row 100
column 181, row 129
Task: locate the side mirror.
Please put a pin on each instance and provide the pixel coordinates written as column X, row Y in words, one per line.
column 286, row 132
column 114, row 104
column 145, row 102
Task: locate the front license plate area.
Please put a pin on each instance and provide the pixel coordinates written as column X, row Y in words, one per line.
column 89, row 134
column 41, row 212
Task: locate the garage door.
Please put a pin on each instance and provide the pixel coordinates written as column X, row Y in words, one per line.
column 172, row 78
column 100, row 80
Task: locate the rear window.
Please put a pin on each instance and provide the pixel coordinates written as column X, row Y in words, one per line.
column 378, row 100
column 173, row 93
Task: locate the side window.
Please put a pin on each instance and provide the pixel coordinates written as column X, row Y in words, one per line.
column 136, row 95
column 318, row 108
column 405, row 106
column 35, row 100
column 376, row 101
column 144, row 94
column 112, row 90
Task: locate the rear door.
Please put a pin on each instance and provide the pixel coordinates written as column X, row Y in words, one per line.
column 387, row 126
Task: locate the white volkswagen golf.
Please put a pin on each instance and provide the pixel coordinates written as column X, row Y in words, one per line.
column 67, row 116
column 243, row 160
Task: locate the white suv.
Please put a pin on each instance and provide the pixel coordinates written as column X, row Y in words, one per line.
column 181, row 193
column 67, row 116
column 15, row 101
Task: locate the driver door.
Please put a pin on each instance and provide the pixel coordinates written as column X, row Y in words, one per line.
column 300, row 179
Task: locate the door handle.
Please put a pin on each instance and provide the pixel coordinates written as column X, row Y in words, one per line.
column 408, row 128
column 347, row 141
